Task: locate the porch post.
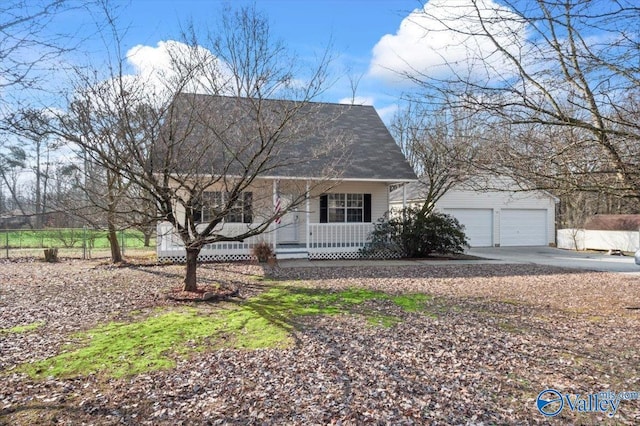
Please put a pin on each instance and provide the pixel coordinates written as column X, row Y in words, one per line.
column 308, row 216
column 404, row 195
column 274, row 225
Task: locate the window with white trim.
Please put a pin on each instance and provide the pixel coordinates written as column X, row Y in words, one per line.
column 214, row 201
column 341, row 208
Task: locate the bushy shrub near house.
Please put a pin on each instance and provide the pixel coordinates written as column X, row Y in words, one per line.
column 412, row 233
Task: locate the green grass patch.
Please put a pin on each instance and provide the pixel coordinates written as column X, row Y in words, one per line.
column 22, row 328
column 118, row 349
column 381, row 320
column 68, row 238
column 284, row 303
column 157, row 341
column 411, row 302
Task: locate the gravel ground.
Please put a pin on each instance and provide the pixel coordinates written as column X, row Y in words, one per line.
column 495, row 336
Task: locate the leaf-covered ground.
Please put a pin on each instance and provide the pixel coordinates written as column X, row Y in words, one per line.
column 477, row 351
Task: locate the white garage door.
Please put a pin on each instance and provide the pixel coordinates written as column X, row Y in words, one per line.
column 478, row 225
column 526, row 227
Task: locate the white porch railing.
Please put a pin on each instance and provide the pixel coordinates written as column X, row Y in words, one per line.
column 332, row 239
column 338, row 237
column 170, row 245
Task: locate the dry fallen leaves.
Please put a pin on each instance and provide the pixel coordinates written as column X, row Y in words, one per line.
column 492, row 338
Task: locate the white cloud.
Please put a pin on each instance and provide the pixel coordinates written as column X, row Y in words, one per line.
column 153, row 65
column 442, row 38
column 386, row 113
column 358, row 100
column 169, row 62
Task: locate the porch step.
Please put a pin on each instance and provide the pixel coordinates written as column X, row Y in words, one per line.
column 291, row 253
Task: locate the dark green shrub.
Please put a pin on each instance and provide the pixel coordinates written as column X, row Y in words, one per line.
column 412, row 233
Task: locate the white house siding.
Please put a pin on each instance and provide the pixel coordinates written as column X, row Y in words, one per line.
column 522, row 211
column 170, row 248
column 262, row 192
column 379, row 200
column 379, row 197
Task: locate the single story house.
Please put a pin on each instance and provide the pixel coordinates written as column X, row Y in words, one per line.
column 495, row 211
column 338, row 210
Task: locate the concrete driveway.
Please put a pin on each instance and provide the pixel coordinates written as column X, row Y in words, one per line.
column 558, row 257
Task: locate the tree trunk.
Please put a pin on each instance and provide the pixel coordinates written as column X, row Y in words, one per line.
column 38, row 190
column 190, row 283
column 116, row 255
column 147, row 238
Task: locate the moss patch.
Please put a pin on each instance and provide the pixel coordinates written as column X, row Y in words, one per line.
column 411, row 302
column 22, row 328
column 282, row 304
column 266, row 321
column 118, row 349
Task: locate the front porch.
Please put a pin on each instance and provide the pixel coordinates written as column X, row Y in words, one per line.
column 322, row 241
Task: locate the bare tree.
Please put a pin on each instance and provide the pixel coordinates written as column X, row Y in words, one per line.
column 29, row 50
column 95, row 118
column 12, row 162
column 200, row 157
column 244, row 136
column 439, row 147
column 38, row 150
column 548, row 65
column 26, row 46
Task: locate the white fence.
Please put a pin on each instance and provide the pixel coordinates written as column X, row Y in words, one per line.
column 170, row 246
column 585, row 239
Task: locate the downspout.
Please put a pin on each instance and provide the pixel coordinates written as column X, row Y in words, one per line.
column 308, row 216
column 274, row 225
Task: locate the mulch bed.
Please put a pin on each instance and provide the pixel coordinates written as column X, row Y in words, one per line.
column 495, row 336
column 208, row 293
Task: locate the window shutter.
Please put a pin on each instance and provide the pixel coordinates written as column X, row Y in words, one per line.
column 247, row 207
column 197, row 214
column 324, row 208
column 367, row 208
column 197, row 210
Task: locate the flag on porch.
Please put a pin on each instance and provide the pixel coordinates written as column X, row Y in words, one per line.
column 278, row 207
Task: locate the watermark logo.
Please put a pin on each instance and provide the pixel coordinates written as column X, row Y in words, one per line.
column 550, row 402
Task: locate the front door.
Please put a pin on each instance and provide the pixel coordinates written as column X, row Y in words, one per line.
column 288, row 226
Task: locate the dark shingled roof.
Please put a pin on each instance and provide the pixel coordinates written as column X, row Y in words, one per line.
column 365, row 149
column 613, row 222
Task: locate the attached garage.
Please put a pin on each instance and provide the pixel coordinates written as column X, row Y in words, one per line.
column 478, row 225
column 494, row 210
column 523, row 227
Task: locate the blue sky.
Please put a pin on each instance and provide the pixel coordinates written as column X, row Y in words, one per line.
column 356, row 25
column 368, row 38
column 353, row 27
